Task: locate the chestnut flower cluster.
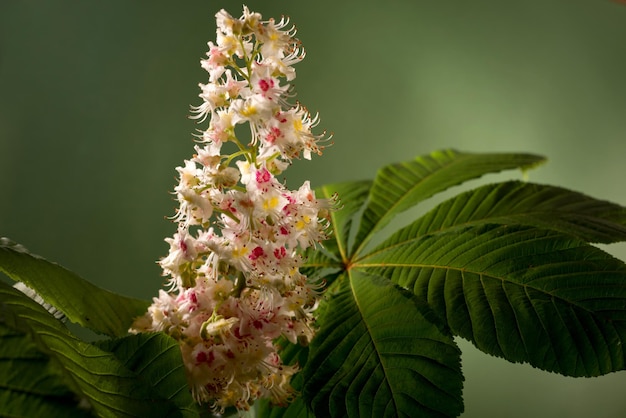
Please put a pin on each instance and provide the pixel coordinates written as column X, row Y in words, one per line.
column 233, row 264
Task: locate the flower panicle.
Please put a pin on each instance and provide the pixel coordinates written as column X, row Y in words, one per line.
column 234, row 282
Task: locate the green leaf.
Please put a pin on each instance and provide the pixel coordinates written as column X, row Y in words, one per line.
column 379, row 354
column 531, row 204
column 319, row 261
column 352, row 195
column 401, row 186
column 157, row 360
column 82, row 302
column 95, row 376
column 296, row 409
column 30, row 384
column 518, row 292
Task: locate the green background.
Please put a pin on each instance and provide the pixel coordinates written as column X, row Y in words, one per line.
column 94, row 99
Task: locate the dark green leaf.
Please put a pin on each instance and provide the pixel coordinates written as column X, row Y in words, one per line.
column 82, row 302
column 296, row 409
column 320, row 267
column 317, row 259
column 157, row 360
column 518, row 292
column 379, row 354
column 94, row 375
column 515, row 202
column 30, row 384
column 401, row 186
column 352, row 196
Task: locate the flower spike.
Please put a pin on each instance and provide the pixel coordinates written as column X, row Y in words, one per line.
column 233, row 264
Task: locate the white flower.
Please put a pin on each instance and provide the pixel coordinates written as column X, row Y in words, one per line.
column 233, row 264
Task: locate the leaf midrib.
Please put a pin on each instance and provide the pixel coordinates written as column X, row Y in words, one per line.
column 377, row 350
column 364, row 267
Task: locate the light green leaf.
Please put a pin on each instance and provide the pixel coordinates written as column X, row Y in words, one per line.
column 401, row 186
column 94, row 375
column 537, row 205
column 379, row 354
column 518, row 292
column 82, row 302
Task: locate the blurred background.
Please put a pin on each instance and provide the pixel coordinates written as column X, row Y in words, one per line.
column 94, row 99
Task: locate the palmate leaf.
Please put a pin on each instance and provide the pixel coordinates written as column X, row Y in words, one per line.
column 398, row 187
column 518, row 292
column 379, row 353
column 507, row 266
column 108, row 387
column 81, row 301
